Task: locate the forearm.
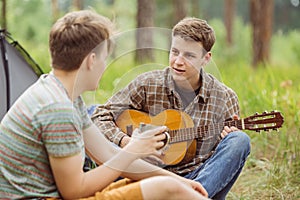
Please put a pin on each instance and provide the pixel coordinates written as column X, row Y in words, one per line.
column 100, row 177
column 110, row 130
column 104, row 119
column 141, row 169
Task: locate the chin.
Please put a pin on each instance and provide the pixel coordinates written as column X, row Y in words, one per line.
column 177, row 77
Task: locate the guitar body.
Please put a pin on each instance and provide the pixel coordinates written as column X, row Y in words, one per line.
column 176, row 153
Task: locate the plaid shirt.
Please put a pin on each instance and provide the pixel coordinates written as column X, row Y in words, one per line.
column 154, row 92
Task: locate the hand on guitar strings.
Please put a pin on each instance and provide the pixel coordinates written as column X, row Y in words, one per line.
column 147, row 143
column 228, row 130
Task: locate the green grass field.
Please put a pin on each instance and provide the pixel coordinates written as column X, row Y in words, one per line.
column 273, row 168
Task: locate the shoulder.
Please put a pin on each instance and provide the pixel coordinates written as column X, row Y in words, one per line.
column 220, row 87
column 152, row 75
column 46, row 97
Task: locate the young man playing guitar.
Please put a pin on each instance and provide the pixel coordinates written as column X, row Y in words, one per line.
column 183, row 86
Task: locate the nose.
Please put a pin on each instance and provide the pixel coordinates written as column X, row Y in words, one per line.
column 179, row 60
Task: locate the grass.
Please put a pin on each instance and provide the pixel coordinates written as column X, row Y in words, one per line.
column 272, row 170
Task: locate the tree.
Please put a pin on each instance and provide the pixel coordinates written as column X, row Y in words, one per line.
column 78, row 4
column 261, row 16
column 55, row 10
column 180, row 10
column 3, row 16
column 144, row 35
column 195, row 8
column 229, row 13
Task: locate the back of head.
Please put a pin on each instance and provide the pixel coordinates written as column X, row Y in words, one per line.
column 197, row 30
column 74, row 35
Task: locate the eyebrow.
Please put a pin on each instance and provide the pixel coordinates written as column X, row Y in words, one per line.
column 185, row 52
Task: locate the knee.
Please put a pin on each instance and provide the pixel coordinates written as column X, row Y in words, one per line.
column 170, row 186
column 240, row 142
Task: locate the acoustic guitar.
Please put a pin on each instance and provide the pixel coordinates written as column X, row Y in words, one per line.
column 183, row 134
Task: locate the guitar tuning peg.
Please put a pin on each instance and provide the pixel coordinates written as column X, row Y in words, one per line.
column 258, row 131
column 256, row 113
column 265, row 112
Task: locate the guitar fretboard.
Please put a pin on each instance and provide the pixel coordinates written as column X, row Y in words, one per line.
column 186, row 134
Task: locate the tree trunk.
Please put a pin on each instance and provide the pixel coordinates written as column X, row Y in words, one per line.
column 180, row 10
column 78, row 4
column 229, row 14
column 195, row 4
column 55, row 10
column 3, row 16
column 261, row 16
column 144, row 35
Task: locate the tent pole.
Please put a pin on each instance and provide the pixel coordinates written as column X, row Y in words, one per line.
column 5, row 64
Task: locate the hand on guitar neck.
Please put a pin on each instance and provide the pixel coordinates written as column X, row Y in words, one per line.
column 227, row 129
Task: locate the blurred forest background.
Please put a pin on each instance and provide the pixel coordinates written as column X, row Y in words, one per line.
column 257, row 53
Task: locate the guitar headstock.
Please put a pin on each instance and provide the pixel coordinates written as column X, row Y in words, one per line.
column 264, row 121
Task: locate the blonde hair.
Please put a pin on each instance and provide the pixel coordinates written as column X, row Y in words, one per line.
column 197, row 30
column 74, row 35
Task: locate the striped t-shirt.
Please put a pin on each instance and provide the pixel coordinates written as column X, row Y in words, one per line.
column 42, row 122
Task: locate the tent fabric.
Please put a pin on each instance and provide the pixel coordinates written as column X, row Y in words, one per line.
column 17, row 71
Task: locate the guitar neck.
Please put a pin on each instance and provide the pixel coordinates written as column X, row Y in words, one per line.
column 186, row 134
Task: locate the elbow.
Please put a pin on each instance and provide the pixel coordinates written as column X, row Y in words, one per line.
column 74, row 192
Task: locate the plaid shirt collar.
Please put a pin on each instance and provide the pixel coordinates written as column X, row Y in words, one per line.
column 203, row 93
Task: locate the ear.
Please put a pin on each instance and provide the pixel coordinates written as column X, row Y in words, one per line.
column 206, row 58
column 90, row 59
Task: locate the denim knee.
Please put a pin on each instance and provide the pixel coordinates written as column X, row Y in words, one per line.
column 239, row 142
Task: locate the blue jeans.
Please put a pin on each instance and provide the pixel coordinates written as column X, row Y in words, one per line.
column 220, row 171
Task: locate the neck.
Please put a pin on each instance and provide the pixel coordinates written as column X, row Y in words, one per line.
column 189, row 85
column 68, row 79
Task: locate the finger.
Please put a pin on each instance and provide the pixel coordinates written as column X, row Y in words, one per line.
column 159, row 145
column 227, row 129
column 233, row 128
column 160, row 137
column 223, row 134
column 201, row 189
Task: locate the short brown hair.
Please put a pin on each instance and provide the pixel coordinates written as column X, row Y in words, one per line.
column 74, row 35
column 197, row 30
